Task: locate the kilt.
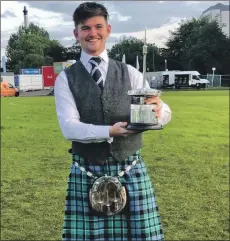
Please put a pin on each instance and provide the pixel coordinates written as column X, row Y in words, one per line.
column 139, row 221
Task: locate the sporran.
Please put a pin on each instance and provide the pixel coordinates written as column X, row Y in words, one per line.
column 107, row 196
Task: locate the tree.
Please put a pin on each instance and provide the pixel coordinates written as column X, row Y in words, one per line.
column 198, row 44
column 55, row 51
column 133, row 47
column 32, row 48
column 73, row 52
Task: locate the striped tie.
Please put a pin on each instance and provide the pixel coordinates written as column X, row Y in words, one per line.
column 95, row 72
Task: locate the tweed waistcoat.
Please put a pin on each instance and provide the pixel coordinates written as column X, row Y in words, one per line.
column 103, row 108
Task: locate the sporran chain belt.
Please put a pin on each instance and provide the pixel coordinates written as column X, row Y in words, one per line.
column 107, row 195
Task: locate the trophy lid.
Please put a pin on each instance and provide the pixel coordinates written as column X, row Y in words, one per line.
column 144, row 92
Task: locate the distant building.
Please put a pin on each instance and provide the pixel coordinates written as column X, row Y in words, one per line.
column 220, row 12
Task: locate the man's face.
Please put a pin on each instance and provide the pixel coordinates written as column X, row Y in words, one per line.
column 92, row 34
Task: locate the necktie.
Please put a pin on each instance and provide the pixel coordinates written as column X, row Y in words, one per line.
column 95, row 72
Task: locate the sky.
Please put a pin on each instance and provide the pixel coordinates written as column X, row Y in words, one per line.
column 127, row 18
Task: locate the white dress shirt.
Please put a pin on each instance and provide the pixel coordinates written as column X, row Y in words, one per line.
column 68, row 116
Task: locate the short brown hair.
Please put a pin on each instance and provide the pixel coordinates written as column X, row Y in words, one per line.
column 88, row 10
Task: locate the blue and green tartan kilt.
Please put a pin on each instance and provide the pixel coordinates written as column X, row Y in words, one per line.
column 139, row 221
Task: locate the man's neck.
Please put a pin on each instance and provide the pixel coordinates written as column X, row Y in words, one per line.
column 93, row 54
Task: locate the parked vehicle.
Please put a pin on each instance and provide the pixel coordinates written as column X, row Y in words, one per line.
column 178, row 79
column 8, row 89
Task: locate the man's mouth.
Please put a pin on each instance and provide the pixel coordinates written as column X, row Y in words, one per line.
column 93, row 40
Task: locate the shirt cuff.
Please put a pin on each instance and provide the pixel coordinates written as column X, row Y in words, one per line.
column 165, row 114
column 102, row 132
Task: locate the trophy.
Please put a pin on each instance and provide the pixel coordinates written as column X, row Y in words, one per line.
column 142, row 118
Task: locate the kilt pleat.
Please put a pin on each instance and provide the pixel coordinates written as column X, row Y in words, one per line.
column 139, row 221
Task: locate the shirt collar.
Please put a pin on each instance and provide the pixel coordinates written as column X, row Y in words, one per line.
column 86, row 57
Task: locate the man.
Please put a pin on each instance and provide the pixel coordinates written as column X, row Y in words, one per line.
column 93, row 110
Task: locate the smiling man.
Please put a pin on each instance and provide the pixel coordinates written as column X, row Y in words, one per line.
column 109, row 194
column 92, row 34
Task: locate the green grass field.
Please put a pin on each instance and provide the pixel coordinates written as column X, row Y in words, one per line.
column 187, row 162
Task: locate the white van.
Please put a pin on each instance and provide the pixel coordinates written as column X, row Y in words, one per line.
column 177, row 79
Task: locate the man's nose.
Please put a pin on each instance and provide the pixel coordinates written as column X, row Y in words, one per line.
column 93, row 32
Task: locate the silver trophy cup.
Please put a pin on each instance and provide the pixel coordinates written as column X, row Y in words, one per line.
column 142, row 117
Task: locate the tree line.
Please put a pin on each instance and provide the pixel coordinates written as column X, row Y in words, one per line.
column 32, row 47
column 197, row 44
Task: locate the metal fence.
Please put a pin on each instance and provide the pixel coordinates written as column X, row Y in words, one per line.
column 217, row 80
column 225, row 80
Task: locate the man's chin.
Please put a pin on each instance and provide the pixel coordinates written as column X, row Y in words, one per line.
column 95, row 50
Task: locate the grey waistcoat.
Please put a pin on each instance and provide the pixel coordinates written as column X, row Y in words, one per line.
column 103, row 108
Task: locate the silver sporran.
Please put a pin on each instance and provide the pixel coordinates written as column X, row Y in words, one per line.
column 107, row 196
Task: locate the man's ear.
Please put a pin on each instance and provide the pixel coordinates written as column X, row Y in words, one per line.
column 75, row 33
column 109, row 29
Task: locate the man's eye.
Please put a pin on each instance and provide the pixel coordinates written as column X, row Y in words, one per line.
column 85, row 28
column 99, row 26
